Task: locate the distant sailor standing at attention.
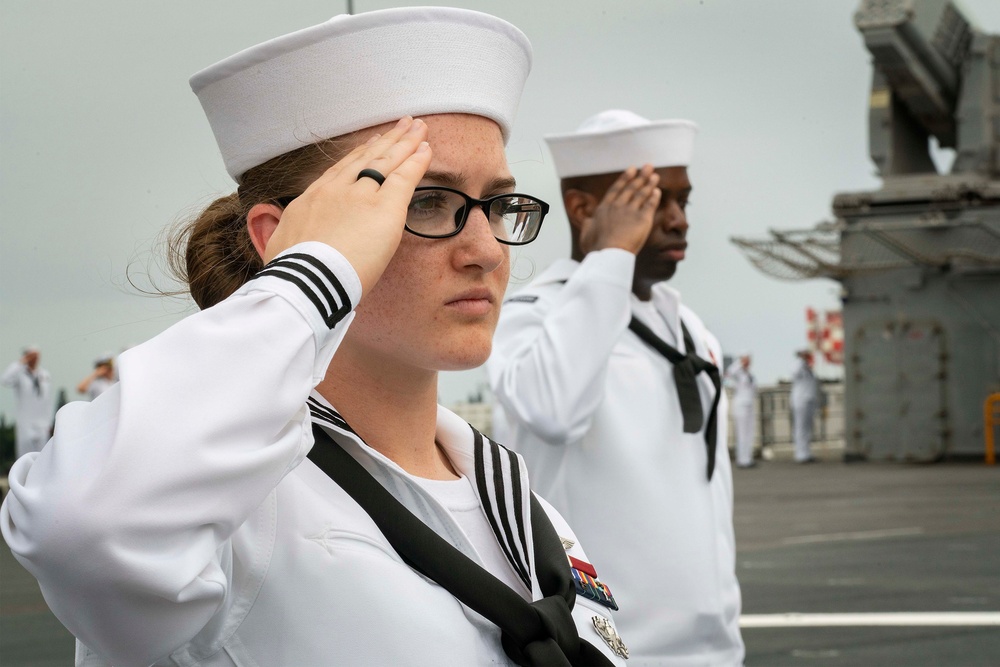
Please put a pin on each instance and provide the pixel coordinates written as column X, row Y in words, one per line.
column 34, row 405
column 609, row 386
column 803, row 399
column 740, row 379
column 272, row 482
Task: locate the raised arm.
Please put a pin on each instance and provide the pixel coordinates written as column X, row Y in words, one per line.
column 85, row 383
column 553, row 342
column 122, row 516
column 125, row 517
column 729, row 376
column 9, row 377
column 550, row 356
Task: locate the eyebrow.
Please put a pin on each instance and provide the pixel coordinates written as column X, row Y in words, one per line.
column 452, row 180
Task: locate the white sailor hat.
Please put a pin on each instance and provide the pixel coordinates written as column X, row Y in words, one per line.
column 358, row 71
column 615, row 140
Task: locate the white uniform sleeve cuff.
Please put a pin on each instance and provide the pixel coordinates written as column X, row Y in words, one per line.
column 611, row 265
column 316, row 279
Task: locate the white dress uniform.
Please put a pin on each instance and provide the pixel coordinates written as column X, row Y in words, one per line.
column 595, row 412
column 175, row 519
column 744, row 397
column 35, row 407
column 803, row 398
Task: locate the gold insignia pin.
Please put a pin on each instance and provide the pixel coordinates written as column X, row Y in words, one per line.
column 610, row 636
column 567, row 543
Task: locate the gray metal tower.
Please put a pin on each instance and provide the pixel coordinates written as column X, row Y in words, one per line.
column 918, row 259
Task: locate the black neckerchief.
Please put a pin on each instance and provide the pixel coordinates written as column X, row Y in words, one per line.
column 533, row 634
column 686, row 369
column 36, row 381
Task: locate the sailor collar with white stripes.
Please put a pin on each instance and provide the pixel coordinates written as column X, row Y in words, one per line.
column 501, row 481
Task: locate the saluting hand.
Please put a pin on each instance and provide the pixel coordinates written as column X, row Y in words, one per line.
column 624, row 217
column 360, row 218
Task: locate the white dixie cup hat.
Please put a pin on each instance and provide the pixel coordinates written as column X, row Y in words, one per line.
column 357, row 71
column 614, row 140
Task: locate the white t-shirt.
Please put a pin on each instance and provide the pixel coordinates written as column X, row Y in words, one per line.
column 459, row 497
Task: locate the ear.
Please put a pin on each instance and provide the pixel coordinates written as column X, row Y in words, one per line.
column 580, row 206
column 262, row 220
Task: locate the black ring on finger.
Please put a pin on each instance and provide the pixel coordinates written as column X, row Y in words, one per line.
column 373, row 174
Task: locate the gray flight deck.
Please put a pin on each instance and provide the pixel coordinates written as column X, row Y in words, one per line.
column 822, row 538
column 862, row 538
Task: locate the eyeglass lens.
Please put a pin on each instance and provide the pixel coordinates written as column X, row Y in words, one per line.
column 437, row 213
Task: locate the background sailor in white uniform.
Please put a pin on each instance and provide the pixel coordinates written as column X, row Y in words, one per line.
column 741, row 380
column 803, row 399
column 35, row 407
column 621, row 439
column 176, row 519
column 100, row 380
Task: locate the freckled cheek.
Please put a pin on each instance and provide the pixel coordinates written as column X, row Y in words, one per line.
column 390, row 304
column 407, row 300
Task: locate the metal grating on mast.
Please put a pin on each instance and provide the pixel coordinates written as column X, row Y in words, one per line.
column 795, row 254
column 838, row 250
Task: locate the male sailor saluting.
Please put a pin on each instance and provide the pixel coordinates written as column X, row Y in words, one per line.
column 609, row 387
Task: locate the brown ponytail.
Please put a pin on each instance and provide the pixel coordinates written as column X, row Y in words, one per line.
column 218, row 255
column 213, row 254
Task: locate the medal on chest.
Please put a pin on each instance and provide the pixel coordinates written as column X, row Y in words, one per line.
column 587, row 584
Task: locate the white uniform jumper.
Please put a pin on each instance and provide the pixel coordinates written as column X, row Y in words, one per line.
column 744, row 396
column 35, row 407
column 595, row 412
column 178, row 522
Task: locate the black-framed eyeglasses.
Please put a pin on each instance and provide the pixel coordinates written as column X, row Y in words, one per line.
column 438, row 212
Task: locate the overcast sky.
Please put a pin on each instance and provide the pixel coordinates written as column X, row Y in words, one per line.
column 102, row 145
